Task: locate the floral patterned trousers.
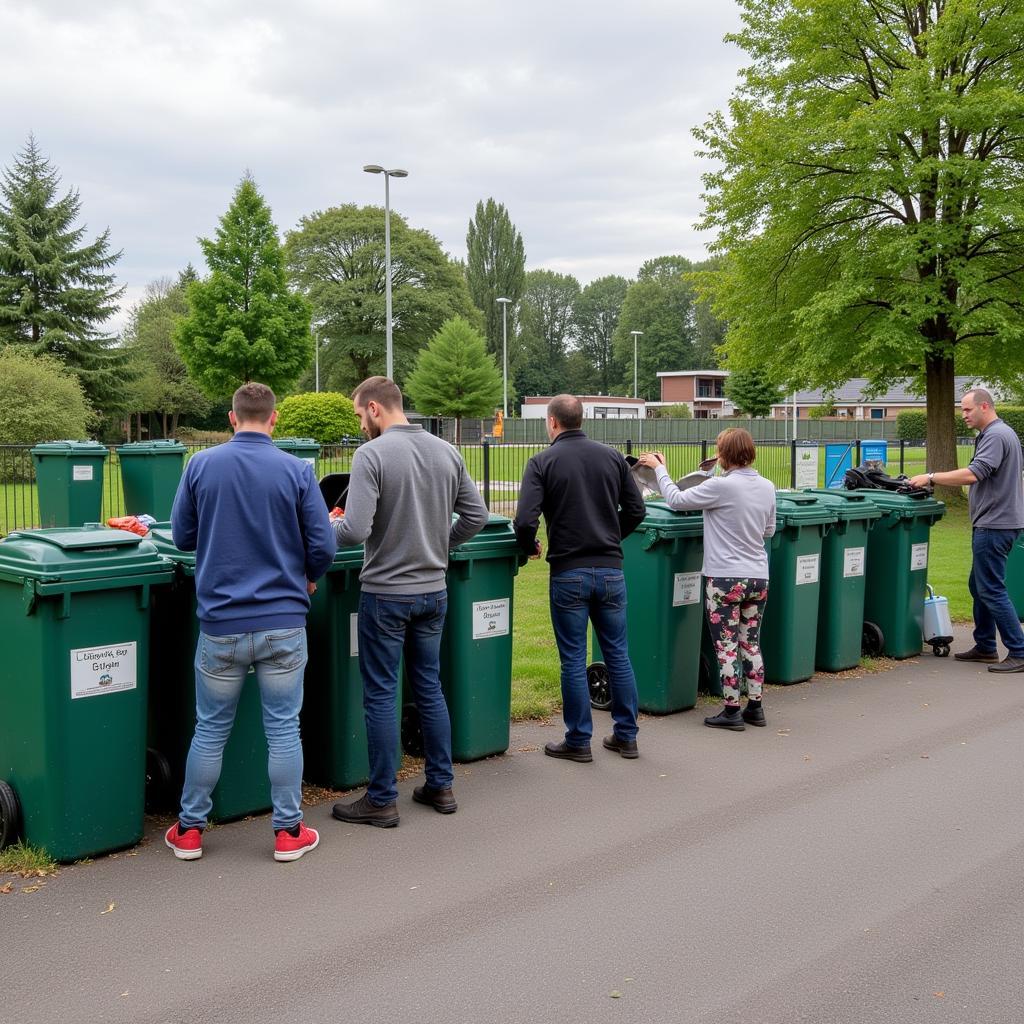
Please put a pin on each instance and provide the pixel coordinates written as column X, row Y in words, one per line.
column 734, row 608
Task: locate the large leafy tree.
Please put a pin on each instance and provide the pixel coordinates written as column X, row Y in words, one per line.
column 455, row 375
column 495, row 267
column 545, row 332
column 595, row 316
column 337, row 259
column 57, row 289
column 868, row 195
column 243, row 323
column 660, row 303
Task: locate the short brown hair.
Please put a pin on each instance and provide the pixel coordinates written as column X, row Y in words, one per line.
column 736, row 446
column 567, row 411
column 382, row 390
column 253, row 403
column 980, row 395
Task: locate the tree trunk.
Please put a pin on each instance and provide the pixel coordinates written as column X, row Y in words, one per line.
column 458, row 432
column 941, row 454
column 174, row 423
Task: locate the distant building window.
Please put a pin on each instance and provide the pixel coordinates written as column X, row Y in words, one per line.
column 842, row 413
column 878, row 414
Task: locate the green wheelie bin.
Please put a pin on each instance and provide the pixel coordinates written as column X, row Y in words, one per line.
column 69, row 477
column 476, row 646
column 305, row 448
column 897, row 571
column 244, row 787
column 664, row 610
column 843, row 561
column 150, row 472
column 1015, row 576
column 74, row 611
column 794, row 586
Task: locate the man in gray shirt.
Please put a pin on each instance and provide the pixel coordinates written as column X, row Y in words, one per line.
column 405, row 485
column 996, row 502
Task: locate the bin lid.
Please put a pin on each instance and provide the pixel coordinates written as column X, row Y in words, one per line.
column 904, row 505
column 163, row 446
column 798, row 508
column 71, row 449
column 847, row 505
column 670, row 523
column 496, row 539
column 160, row 536
column 290, row 443
column 77, row 553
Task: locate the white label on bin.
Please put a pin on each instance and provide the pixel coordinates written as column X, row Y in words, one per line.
column 490, row 618
column 99, row 670
column 853, row 562
column 918, row 557
column 685, row 588
column 806, row 569
column 81, row 472
column 353, row 635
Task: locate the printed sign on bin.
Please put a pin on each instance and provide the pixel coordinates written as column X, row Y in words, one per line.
column 96, row 671
column 685, row 588
column 807, row 569
column 81, row 472
column 918, row 557
column 490, row 618
column 853, row 562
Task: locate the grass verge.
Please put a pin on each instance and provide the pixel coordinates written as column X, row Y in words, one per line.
column 27, row 861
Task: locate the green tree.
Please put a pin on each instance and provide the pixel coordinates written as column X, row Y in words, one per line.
column 708, row 330
column 545, row 331
column 243, row 322
column 495, row 267
column 55, row 291
column 337, row 259
column 868, row 196
column 751, row 391
column 659, row 303
column 596, row 314
column 455, row 375
column 323, row 415
column 40, row 399
column 162, row 382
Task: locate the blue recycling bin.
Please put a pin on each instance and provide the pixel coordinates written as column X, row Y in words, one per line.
column 874, row 451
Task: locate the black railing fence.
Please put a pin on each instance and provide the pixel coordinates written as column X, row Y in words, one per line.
column 498, row 468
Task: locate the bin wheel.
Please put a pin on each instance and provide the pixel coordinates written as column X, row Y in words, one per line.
column 10, row 816
column 599, row 684
column 941, row 650
column 412, row 731
column 872, row 640
column 159, row 782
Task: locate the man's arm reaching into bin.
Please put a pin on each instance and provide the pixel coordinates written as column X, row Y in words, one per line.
column 473, row 514
column 361, row 504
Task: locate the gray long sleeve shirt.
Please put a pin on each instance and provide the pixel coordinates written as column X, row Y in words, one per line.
column 404, row 487
column 996, row 501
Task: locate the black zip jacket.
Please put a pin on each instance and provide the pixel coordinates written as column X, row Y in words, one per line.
column 589, row 501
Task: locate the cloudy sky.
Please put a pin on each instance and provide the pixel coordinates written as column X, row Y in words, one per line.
column 576, row 116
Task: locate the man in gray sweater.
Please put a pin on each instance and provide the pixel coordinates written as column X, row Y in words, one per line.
column 996, row 503
column 405, row 485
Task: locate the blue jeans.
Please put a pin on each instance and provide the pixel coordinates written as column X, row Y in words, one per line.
column 598, row 596
column 390, row 625
column 222, row 663
column 992, row 606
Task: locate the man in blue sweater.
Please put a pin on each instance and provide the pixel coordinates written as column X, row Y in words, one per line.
column 255, row 518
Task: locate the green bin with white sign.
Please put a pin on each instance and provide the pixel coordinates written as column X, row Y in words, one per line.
column 75, row 607
column 305, row 448
column 69, row 482
column 664, row 612
column 150, row 474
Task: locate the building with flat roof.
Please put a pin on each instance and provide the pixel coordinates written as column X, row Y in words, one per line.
column 595, row 407
column 702, row 390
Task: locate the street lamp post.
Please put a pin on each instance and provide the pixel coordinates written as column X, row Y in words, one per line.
column 316, row 359
column 636, row 334
column 396, row 172
column 504, row 355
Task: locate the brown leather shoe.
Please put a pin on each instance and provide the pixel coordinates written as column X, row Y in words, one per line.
column 974, row 654
column 1008, row 664
column 442, row 800
column 624, row 748
column 362, row 812
column 567, row 753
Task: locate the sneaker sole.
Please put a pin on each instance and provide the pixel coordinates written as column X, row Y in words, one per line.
column 756, row 725
column 578, row 758
column 629, row 755
column 440, row 808
column 729, row 728
column 182, row 854
column 296, row 854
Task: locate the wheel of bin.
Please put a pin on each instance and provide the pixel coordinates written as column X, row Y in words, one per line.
column 599, row 684
column 10, row 815
column 412, row 731
column 941, row 650
column 159, row 782
column 872, row 640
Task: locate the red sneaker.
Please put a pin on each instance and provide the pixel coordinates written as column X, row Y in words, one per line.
column 187, row 845
column 291, row 847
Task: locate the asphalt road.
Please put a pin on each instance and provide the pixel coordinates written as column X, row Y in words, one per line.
column 859, row 860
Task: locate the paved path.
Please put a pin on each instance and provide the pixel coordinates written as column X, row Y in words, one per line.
column 859, row 860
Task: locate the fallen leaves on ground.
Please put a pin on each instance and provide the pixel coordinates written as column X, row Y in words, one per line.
column 110, row 908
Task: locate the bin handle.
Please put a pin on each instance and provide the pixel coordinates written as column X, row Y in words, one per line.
column 931, row 591
column 651, row 538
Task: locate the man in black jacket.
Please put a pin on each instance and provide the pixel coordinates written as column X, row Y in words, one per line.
column 590, row 502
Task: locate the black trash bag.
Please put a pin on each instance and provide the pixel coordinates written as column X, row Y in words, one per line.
column 870, row 477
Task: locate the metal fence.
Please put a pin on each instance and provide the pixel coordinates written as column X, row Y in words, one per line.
column 497, row 469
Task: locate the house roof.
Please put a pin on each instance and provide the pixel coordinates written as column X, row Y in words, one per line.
column 693, row 373
column 852, row 393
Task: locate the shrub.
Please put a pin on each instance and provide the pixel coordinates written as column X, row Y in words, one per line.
column 912, row 425
column 1012, row 415
column 679, row 411
column 40, row 400
column 325, row 416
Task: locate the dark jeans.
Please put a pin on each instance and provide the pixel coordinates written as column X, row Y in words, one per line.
column 992, row 606
column 388, row 626
column 598, row 596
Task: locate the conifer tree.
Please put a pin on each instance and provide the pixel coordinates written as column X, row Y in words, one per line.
column 56, row 292
column 495, row 267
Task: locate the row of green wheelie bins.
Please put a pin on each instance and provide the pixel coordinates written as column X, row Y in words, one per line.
column 98, row 686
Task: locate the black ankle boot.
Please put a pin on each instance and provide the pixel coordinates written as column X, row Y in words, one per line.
column 753, row 713
column 728, row 718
